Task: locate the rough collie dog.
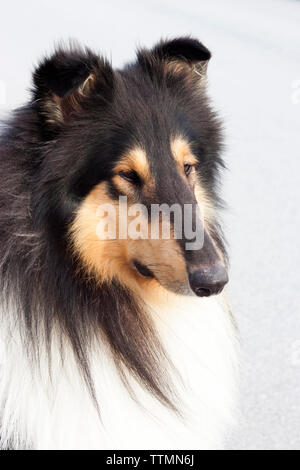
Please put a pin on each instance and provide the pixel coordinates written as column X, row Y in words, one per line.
column 125, row 341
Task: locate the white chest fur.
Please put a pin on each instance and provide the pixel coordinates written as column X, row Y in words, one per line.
column 56, row 412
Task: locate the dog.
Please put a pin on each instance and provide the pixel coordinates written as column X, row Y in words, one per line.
column 121, row 342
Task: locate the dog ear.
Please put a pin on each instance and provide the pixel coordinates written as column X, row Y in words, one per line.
column 177, row 58
column 65, row 82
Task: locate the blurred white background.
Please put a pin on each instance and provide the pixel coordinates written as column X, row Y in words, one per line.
column 255, row 84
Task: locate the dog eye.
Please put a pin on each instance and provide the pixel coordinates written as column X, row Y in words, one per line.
column 131, row 176
column 187, row 169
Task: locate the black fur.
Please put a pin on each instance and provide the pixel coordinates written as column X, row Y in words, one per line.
column 49, row 164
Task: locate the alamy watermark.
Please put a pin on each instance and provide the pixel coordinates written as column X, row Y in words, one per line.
column 159, row 221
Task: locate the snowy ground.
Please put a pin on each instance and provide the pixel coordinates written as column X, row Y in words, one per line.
column 255, row 83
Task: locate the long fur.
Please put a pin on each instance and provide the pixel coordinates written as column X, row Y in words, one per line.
column 87, row 364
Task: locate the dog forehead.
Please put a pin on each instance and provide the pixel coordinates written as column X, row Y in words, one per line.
column 176, row 151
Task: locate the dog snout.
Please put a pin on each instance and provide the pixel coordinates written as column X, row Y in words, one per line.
column 208, row 281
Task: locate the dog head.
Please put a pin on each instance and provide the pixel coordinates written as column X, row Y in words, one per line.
column 136, row 150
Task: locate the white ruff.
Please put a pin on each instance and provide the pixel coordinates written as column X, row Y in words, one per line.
column 44, row 412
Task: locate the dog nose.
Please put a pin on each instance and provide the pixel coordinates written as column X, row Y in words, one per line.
column 208, row 281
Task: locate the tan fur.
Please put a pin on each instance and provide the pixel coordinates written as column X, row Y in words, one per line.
column 111, row 258
column 102, row 258
column 200, row 70
column 193, row 76
column 52, row 110
column 182, row 152
column 176, row 67
column 108, row 259
column 183, row 155
column 87, row 87
column 135, row 160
